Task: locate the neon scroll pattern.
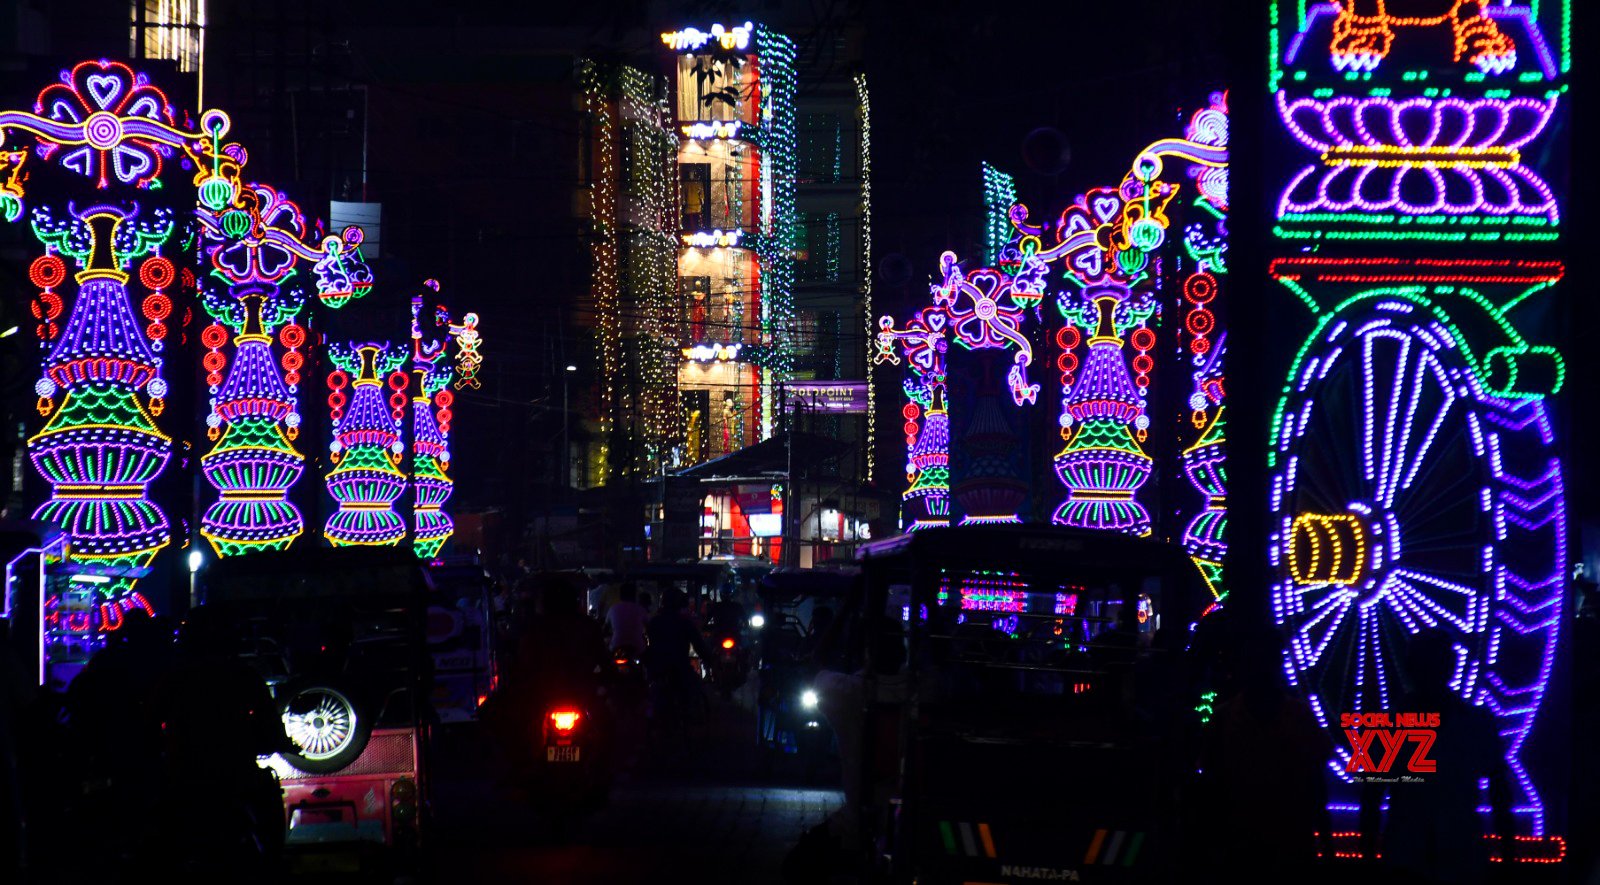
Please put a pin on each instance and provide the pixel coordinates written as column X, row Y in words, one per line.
column 366, row 481
column 1442, row 509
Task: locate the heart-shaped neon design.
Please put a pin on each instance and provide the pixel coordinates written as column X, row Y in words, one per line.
column 130, row 163
column 1105, row 208
column 104, row 88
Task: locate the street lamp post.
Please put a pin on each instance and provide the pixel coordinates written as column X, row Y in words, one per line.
column 566, row 417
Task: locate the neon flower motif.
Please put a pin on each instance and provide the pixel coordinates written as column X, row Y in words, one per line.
column 989, row 323
column 924, row 340
column 1420, row 156
column 104, row 97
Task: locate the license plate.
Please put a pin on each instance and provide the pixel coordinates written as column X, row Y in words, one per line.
column 561, row 754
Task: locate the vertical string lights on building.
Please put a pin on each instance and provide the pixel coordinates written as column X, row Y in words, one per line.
column 776, row 245
column 604, row 248
column 653, row 147
column 864, row 104
column 105, row 135
column 1414, row 473
column 366, row 480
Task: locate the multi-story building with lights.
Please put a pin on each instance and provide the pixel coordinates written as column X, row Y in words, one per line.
column 755, row 171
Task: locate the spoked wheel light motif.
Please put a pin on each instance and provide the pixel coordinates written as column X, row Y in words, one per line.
column 1405, row 497
column 321, row 722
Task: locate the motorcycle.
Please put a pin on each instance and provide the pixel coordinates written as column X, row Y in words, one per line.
column 570, row 771
column 730, row 664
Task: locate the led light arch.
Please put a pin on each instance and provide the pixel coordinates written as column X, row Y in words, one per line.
column 430, row 434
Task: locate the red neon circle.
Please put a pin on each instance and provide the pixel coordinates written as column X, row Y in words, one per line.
column 47, row 271
column 1200, row 345
column 338, row 379
column 1200, row 288
column 398, row 380
column 293, row 361
column 910, row 428
column 156, row 273
column 1201, row 322
column 214, row 361
column 156, row 331
column 1069, row 337
column 1143, row 339
column 157, row 307
column 1143, row 364
column 292, row 336
column 444, row 398
column 1067, row 363
column 397, row 402
column 214, row 336
column 911, row 411
column 292, row 378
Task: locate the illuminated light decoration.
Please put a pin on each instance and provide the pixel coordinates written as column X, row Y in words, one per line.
column 47, row 272
column 1328, row 549
column 713, row 239
column 775, row 55
column 1363, row 34
column 1414, row 422
column 989, row 322
column 341, row 273
column 705, row 353
column 430, row 439
column 467, row 357
column 1205, row 248
column 925, row 340
column 101, row 448
column 1462, row 157
column 253, row 294
column 713, row 129
column 1394, row 408
column 11, row 191
column 366, row 446
column 999, row 195
column 866, row 269
column 688, row 39
column 1529, row 849
column 604, row 250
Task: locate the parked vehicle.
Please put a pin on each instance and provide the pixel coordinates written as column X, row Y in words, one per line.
column 1022, row 759
column 339, row 636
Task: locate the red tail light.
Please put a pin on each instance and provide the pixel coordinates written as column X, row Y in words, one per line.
column 563, row 721
column 727, row 643
column 622, row 661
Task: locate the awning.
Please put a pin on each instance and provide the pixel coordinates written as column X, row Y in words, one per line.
column 769, row 459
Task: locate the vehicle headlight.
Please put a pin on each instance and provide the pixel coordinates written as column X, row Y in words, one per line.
column 757, row 621
column 808, row 699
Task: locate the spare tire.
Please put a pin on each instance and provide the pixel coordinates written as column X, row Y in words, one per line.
column 326, row 725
